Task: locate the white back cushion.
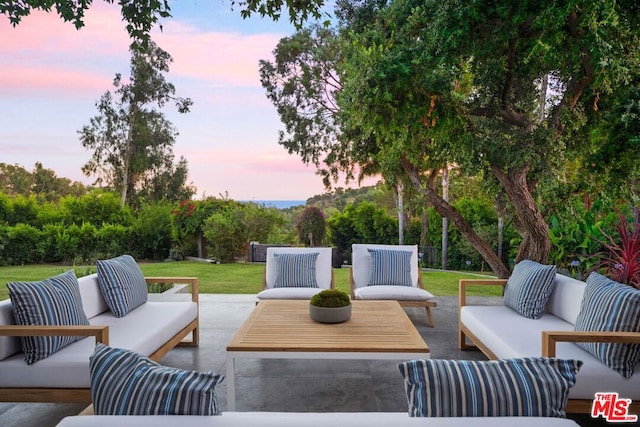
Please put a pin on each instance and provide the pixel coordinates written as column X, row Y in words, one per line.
column 93, row 302
column 8, row 345
column 566, row 298
column 323, row 264
column 361, row 261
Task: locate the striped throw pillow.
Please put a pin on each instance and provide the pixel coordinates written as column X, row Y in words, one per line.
column 125, row 383
column 54, row 301
column 122, row 284
column 527, row 387
column 529, row 288
column 613, row 307
column 390, row 267
column 295, row 270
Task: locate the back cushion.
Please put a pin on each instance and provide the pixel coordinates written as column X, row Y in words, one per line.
column 93, row 302
column 566, row 298
column 323, row 264
column 361, row 262
column 8, row 345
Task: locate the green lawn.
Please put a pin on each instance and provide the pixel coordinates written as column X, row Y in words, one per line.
column 235, row 278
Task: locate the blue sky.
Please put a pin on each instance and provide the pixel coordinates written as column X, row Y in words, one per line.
column 52, row 75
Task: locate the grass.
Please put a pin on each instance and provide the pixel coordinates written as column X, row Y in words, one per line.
column 236, row 278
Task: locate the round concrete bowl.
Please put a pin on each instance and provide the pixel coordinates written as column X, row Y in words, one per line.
column 330, row 315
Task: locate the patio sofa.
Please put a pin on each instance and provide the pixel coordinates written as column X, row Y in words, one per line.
column 152, row 329
column 502, row 333
column 298, row 419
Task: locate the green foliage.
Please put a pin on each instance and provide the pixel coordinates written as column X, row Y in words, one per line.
column 151, row 231
column 96, row 207
column 112, row 240
column 330, row 298
column 311, row 227
column 23, row 244
column 364, row 223
column 22, row 210
column 230, row 230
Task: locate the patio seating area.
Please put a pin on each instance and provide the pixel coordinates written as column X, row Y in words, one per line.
column 284, row 385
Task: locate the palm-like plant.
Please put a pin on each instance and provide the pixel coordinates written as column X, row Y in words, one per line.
column 622, row 261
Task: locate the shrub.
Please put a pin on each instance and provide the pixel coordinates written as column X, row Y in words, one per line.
column 111, row 240
column 25, row 243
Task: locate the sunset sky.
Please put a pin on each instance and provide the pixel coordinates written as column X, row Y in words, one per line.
column 52, row 75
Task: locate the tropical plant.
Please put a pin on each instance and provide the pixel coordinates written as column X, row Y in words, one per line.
column 622, row 261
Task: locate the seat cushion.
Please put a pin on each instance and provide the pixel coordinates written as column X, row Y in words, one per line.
column 389, row 267
column 126, row 383
column 54, row 301
column 525, row 387
column 288, row 293
column 400, row 293
column 529, row 288
column 122, row 284
column 612, row 307
column 295, row 270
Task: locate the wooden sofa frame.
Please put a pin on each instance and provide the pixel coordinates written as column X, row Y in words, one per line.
column 101, row 334
column 549, row 340
column 404, row 303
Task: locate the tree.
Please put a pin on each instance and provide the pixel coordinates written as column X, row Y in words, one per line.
column 131, row 138
column 461, row 81
column 141, row 15
column 311, row 226
column 457, row 82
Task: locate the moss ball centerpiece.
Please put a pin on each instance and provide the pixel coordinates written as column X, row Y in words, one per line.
column 330, row 306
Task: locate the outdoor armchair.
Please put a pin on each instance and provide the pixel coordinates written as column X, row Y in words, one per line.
column 296, row 273
column 389, row 272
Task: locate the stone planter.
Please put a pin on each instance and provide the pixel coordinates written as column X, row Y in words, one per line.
column 330, row 315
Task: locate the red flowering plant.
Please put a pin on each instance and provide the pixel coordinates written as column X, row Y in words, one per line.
column 621, row 262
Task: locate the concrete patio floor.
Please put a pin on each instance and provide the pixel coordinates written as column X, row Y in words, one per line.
column 285, row 385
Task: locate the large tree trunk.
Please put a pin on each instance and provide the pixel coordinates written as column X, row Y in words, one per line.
column 531, row 225
column 445, row 209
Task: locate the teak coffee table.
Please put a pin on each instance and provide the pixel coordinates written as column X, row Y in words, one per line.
column 282, row 329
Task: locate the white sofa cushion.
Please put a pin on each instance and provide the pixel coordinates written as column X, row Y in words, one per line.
column 143, row 330
column 361, row 262
column 566, row 298
column 8, row 345
column 401, row 293
column 288, row 293
column 509, row 335
column 323, row 265
column 309, row 419
column 93, row 302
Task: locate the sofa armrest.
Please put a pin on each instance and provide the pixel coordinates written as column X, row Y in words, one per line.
column 101, row 333
column 464, row 283
column 192, row 281
column 550, row 338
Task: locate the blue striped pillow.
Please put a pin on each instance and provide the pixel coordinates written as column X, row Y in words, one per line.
column 527, row 387
column 122, row 284
column 613, row 307
column 529, row 288
column 125, row 383
column 53, row 301
column 295, row 270
column 390, row 267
